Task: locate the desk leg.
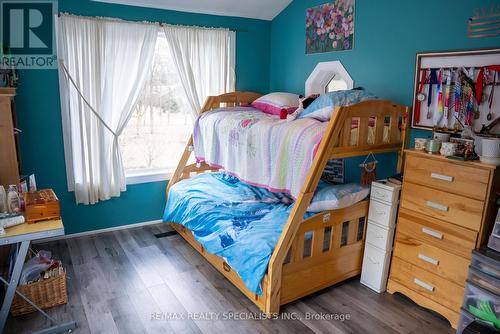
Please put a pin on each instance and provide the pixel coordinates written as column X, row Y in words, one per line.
column 14, row 281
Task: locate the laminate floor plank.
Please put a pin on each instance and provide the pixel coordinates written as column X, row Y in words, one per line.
column 129, row 281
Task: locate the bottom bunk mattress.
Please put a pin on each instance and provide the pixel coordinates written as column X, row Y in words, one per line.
column 240, row 222
column 236, row 221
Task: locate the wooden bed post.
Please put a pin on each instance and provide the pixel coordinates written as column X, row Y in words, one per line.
column 405, row 138
column 273, row 293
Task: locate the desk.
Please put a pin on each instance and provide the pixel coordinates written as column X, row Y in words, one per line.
column 24, row 234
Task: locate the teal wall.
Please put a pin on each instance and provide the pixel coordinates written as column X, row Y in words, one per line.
column 387, row 35
column 39, row 115
column 270, row 56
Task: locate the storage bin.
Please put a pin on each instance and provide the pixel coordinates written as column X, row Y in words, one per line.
column 375, row 268
column 46, row 293
column 379, row 236
column 483, row 280
column 466, row 319
column 388, row 193
column 487, row 261
column 382, row 213
column 494, row 243
column 482, row 304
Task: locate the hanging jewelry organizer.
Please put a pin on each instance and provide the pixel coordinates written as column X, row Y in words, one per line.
column 446, row 89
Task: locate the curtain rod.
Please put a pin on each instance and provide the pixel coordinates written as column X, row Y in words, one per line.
column 161, row 24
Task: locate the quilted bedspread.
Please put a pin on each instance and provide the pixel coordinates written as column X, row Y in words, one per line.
column 258, row 148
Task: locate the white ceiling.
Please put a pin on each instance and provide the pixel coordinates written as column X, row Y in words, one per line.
column 256, row 9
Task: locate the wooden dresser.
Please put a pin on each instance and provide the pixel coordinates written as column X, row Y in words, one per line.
column 9, row 157
column 447, row 209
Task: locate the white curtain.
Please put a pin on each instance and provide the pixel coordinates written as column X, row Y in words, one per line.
column 205, row 60
column 103, row 66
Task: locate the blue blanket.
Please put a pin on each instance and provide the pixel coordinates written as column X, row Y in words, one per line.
column 231, row 219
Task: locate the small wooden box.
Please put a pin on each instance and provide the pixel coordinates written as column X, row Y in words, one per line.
column 41, row 205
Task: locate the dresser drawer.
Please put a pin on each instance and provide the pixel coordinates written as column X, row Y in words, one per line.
column 379, row 236
column 382, row 213
column 427, row 284
column 452, row 238
column 447, row 176
column 447, row 265
column 452, row 208
column 375, row 268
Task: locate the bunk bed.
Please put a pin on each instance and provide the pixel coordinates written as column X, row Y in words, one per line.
column 324, row 248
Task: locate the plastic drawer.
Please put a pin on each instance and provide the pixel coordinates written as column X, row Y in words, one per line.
column 466, row 319
column 483, row 280
column 494, row 243
column 482, row 304
column 487, row 261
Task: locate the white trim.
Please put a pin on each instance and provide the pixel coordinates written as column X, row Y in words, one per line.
column 103, row 230
column 146, row 176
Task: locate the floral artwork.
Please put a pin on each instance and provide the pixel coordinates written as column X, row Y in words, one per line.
column 330, row 27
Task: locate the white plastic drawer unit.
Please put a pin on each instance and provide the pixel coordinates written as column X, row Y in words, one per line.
column 385, row 192
column 375, row 268
column 382, row 213
column 379, row 236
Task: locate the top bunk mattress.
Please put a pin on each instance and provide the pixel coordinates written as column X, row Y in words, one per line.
column 258, row 148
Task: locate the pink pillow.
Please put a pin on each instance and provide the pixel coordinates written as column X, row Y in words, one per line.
column 274, row 103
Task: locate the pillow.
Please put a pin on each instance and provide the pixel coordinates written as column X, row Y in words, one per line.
column 323, row 107
column 338, row 196
column 273, row 103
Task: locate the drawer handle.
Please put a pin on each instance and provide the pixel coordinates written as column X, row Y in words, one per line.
column 424, row 285
column 380, row 212
column 442, row 177
column 428, row 259
column 226, row 267
column 432, row 233
column 437, row 206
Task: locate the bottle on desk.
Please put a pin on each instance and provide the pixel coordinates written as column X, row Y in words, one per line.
column 13, row 201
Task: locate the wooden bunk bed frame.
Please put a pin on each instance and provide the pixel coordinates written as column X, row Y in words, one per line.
column 300, row 266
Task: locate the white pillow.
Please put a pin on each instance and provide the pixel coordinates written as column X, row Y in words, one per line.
column 337, row 196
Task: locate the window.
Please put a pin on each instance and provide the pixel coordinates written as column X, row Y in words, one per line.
column 156, row 135
column 328, row 77
column 336, row 83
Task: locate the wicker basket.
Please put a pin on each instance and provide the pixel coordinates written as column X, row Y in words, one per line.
column 47, row 293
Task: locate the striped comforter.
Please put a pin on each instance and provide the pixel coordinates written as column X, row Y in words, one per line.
column 258, row 148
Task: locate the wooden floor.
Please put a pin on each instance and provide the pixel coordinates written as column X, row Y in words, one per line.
column 129, row 281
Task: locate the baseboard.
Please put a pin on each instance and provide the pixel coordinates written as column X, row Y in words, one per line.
column 104, row 230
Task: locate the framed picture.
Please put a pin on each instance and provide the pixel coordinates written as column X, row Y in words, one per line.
column 441, row 105
column 330, row 27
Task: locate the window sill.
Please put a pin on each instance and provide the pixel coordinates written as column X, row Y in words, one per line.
column 146, row 176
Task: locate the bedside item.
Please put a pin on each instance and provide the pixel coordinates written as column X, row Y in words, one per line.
column 442, row 136
column 448, row 149
column 9, row 220
column 379, row 234
column 446, row 212
column 463, row 145
column 41, row 205
column 420, row 143
column 433, row 146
